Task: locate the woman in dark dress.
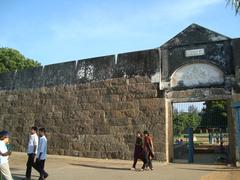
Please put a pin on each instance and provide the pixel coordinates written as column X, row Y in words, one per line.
column 139, row 152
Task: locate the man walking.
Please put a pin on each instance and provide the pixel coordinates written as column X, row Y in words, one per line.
column 41, row 155
column 32, row 151
column 4, row 153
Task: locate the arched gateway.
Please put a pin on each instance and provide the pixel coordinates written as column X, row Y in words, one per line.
column 93, row 107
column 197, row 75
column 196, row 68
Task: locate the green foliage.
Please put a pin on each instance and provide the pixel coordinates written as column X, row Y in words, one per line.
column 183, row 120
column 11, row 60
column 214, row 114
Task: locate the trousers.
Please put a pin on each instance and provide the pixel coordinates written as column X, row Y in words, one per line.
column 5, row 170
column 30, row 163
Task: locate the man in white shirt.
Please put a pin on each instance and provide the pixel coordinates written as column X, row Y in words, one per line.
column 41, row 154
column 4, row 153
column 31, row 151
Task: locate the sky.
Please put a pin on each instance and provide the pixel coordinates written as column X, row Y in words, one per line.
column 54, row 31
column 185, row 106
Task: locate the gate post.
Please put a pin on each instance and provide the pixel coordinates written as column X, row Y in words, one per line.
column 190, row 145
column 236, row 106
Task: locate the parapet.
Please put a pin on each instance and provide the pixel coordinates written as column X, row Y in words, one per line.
column 143, row 63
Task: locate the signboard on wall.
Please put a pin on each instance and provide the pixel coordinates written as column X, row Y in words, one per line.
column 194, row 52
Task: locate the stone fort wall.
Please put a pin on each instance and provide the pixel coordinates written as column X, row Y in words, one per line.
column 91, row 108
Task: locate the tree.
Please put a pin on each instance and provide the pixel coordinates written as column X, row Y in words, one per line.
column 214, row 114
column 183, row 120
column 235, row 4
column 11, row 60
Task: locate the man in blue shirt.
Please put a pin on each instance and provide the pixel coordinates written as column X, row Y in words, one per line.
column 41, row 154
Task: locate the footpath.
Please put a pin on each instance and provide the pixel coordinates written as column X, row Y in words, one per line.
column 76, row 168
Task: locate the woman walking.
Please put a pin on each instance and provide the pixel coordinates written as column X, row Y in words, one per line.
column 139, row 152
column 148, row 148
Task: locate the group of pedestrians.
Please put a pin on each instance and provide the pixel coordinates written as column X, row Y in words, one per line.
column 143, row 150
column 216, row 138
column 37, row 153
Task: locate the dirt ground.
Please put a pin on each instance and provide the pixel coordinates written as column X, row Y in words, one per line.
column 74, row 168
column 230, row 175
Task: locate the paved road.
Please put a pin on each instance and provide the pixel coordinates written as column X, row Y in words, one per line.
column 73, row 168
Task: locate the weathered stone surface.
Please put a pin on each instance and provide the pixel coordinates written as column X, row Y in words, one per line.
column 195, row 34
column 63, row 73
column 236, row 57
column 7, row 80
column 96, row 119
column 142, row 63
column 204, row 94
column 218, row 53
column 29, row 78
column 236, row 52
column 95, row 69
column 197, row 45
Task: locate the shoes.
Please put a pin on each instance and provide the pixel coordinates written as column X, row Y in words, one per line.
column 26, row 178
column 142, row 169
column 45, row 175
column 147, row 169
column 133, row 169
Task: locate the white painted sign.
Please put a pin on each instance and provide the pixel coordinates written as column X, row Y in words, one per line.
column 198, row 74
column 194, row 52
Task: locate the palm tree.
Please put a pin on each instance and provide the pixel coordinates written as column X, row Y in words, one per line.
column 235, row 4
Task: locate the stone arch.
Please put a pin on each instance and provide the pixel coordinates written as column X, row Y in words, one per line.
column 197, row 75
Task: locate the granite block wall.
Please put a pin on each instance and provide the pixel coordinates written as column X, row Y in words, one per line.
column 93, row 119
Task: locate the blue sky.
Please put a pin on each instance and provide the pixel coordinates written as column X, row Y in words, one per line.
column 53, row 31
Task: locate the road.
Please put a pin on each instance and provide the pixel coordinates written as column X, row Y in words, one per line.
column 76, row 168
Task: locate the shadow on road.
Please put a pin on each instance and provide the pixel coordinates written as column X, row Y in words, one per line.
column 101, row 167
column 21, row 176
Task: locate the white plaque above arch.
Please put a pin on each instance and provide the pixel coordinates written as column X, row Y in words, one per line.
column 197, row 74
